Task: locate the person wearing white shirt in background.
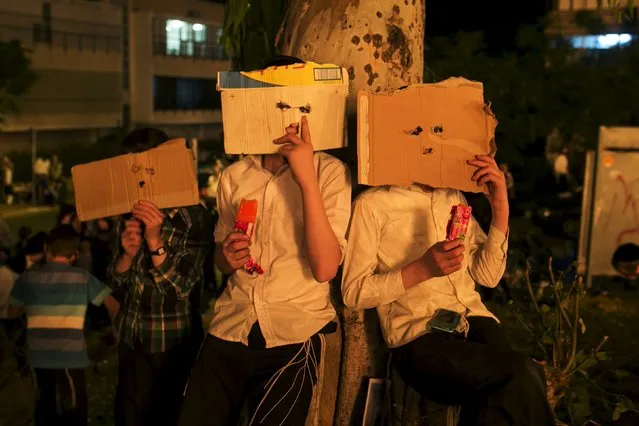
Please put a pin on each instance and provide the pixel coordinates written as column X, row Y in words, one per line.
column 397, row 260
column 41, row 171
column 7, row 179
column 561, row 168
column 266, row 336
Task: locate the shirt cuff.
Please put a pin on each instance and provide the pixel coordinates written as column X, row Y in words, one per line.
column 393, row 287
column 160, row 271
column 220, row 234
column 99, row 299
column 497, row 239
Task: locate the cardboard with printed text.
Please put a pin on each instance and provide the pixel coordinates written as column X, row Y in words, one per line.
column 164, row 175
column 424, row 134
column 257, row 106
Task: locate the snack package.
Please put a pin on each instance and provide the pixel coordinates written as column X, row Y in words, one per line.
column 245, row 223
column 458, row 223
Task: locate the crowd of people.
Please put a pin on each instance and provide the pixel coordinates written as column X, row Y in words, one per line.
column 267, row 335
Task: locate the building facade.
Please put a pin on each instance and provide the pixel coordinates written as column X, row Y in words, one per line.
column 594, row 24
column 104, row 64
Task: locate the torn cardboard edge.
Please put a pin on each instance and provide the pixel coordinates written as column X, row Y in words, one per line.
column 164, row 175
column 258, row 106
column 421, row 134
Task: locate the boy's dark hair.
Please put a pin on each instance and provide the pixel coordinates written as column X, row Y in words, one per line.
column 143, row 139
column 35, row 244
column 63, row 241
column 282, row 61
column 625, row 253
column 24, row 232
column 65, row 209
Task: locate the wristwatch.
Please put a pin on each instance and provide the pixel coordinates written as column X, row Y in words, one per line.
column 159, row 252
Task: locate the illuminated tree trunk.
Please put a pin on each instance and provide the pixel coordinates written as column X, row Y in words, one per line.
column 381, row 44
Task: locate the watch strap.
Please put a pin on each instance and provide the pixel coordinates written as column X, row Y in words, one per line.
column 159, row 252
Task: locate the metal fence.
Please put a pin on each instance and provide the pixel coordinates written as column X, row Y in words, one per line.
column 68, row 41
column 190, row 49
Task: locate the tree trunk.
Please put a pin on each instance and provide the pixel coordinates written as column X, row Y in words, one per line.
column 381, row 44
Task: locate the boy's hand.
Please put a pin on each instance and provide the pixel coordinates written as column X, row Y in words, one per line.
column 152, row 218
column 131, row 237
column 299, row 153
column 236, row 249
column 489, row 173
column 443, row 259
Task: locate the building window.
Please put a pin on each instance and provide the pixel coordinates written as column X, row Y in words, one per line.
column 176, row 93
column 184, row 38
column 603, row 41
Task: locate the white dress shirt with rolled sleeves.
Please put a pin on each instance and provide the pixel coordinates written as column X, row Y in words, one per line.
column 286, row 300
column 393, row 226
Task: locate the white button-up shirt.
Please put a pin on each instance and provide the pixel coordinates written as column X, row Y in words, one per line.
column 393, row 226
column 288, row 303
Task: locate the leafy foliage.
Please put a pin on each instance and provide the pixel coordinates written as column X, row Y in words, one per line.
column 16, row 76
column 250, row 28
column 543, row 85
column 556, row 324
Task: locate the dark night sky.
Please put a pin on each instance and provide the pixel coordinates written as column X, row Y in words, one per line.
column 499, row 19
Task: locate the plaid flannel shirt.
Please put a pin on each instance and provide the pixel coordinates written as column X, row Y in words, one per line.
column 155, row 308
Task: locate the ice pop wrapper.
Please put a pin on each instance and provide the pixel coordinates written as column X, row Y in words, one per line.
column 458, row 223
column 245, row 223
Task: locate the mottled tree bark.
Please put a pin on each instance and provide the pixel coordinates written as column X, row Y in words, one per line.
column 381, row 44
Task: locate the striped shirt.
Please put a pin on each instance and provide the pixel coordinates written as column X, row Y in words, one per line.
column 155, row 307
column 55, row 297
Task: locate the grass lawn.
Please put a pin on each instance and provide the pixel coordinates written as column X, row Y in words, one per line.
column 615, row 315
column 37, row 218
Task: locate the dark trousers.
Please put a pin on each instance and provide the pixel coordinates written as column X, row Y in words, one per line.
column 14, row 342
column 494, row 384
column 150, row 385
column 70, row 385
column 278, row 382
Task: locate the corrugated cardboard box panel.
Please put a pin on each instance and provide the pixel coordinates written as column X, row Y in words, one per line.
column 424, row 134
column 253, row 118
column 307, row 74
column 258, row 106
column 165, row 175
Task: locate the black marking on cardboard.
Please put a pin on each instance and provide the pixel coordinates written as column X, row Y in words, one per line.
column 379, row 14
column 367, row 38
column 438, row 129
column 355, row 40
column 282, row 106
column 141, row 183
column 306, row 109
column 427, row 151
column 414, row 132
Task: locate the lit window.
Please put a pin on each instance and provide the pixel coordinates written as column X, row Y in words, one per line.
column 603, row 41
column 184, row 38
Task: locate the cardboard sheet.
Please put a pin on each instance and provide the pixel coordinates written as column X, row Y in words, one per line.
column 164, row 175
column 257, row 106
column 424, row 134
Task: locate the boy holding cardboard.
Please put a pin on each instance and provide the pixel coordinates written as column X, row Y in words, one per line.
column 55, row 296
column 419, row 271
column 266, row 335
column 157, row 275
